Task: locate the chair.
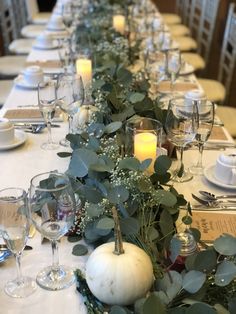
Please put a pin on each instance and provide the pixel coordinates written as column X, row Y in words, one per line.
column 34, row 16
column 202, row 23
column 183, row 9
column 218, row 91
column 9, row 25
column 10, row 66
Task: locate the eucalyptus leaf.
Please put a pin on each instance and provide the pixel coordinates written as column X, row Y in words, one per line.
column 166, row 223
column 177, row 310
column 124, row 76
column 205, row 261
column 105, row 223
column 129, row 163
column 196, row 234
column 187, row 220
column 175, row 247
column 96, row 129
column 92, row 195
column 145, row 164
column 74, row 238
column 79, row 250
column 129, row 226
column 136, row 97
column 113, row 127
column 153, row 303
column 171, row 284
column 162, row 164
column 90, row 232
column 94, row 210
column 200, row 308
column 166, row 198
column 116, row 309
column 225, row 273
column 97, row 84
column 138, row 306
column 144, row 185
column 81, row 160
column 118, row 194
column 232, row 305
column 225, row 244
column 153, row 234
column 193, row 281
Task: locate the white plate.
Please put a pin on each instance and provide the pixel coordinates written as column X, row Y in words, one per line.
column 37, row 46
column 20, row 138
column 21, row 83
column 55, row 29
column 187, row 69
column 209, row 173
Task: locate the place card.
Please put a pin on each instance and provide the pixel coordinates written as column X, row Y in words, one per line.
column 31, row 114
column 165, row 86
column 45, row 64
column 213, row 224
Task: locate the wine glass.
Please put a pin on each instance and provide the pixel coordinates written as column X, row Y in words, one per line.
column 52, row 207
column 206, row 111
column 181, row 128
column 14, row 228
column 70, row 95
column 173, row 66
column 47, row 107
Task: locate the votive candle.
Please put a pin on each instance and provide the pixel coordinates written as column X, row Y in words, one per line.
column 84, row 69
column 119, row 23
column 145, row 146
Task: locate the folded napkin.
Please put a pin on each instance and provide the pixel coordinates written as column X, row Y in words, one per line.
column 45, row 64
column 31, row 115
column 165, row 87
column 219, row 135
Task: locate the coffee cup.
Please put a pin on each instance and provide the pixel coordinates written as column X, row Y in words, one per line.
column 6, row 132
column 225, row 169
column 44, row 40
column 56, row 23
column 195, row 95
column 33, row 75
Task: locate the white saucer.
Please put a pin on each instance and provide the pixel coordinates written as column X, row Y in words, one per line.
column 209, row 173
column 20, row 138
column 187, row 69
column 21, row 83
column 37, row 46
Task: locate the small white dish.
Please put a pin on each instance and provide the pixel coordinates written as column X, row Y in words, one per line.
column 209, row 173
column 39, row 46
column 55, row 28
column 22, row 83
column 19, row 139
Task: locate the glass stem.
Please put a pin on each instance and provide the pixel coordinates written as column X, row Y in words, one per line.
column 18, row 267
column 49, row 132
column 172, row 81
column 55, row 256
column 200, row 149
column 70, row 118
column 180, row 165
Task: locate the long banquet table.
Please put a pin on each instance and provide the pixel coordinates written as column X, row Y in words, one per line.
column 18, row 166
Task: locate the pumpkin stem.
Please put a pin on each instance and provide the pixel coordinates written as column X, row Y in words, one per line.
column 117, row 233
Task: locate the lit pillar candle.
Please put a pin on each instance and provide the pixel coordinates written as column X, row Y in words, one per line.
column 84, row 68
column 145, row 146
column 119, row 23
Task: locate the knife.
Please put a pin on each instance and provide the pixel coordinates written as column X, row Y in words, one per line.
column 29, row 125
column 3, row 247
column 218, row 208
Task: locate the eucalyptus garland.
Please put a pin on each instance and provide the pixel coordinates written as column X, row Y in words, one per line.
column 104, row 174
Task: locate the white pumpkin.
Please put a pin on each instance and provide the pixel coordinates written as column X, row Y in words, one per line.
column 83, row 116
column 119, row 279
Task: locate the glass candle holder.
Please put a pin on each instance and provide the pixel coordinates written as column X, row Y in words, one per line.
column 142, row 139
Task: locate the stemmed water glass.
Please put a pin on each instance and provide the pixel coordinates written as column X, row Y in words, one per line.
column 173, row 66
column 206, row 111
column 181, row 128
column 70, row 95
column 52, row 207
column 14, row 228
column 47, row 106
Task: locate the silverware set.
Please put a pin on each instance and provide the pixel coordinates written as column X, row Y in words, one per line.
column 210, row 201
column 33, row 127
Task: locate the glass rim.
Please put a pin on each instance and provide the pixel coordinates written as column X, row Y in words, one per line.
column 133, row 127
column 58, row 174
column 16, row 198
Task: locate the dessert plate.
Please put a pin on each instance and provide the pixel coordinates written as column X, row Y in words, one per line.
column 21, row 83
column 209, row 173
column 20, row 138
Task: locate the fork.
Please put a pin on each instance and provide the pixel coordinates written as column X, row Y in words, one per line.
column 216, row 203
